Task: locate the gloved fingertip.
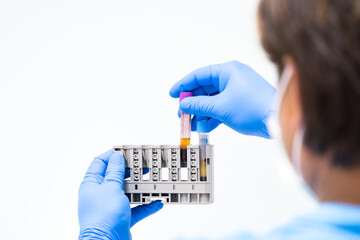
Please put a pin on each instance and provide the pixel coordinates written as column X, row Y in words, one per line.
column 156, row 205
column 106, row 155
column 184, row 104
column 117, row 154
column 174, row 93
column 158, row 202
column 140, row 212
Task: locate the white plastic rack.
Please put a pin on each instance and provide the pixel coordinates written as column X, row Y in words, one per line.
column 155, row 173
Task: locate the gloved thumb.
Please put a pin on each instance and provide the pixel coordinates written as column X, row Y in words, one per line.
column 200, row 106
column 140, row 212
column 115, row 171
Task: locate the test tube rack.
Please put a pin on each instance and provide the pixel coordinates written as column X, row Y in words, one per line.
column 155, row 173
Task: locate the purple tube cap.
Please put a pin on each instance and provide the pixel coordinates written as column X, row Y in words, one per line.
column 185, row 95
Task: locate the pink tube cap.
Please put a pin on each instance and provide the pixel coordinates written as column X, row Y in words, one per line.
column 185, row 95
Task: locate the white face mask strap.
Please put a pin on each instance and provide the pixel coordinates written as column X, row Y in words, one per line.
column 296, row 149
column 300, row 131
column 284, row 82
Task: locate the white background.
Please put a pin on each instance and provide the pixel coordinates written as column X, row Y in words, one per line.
column 77, row 77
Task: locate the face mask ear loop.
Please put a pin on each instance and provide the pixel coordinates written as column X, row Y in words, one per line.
column 296, row 149
column 300, row 131
column 284, row 83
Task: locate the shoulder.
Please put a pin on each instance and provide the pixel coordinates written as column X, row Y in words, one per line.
column 329, row 221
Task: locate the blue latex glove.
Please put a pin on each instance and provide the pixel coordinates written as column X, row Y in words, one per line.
column 234, row 95
column 104, row 210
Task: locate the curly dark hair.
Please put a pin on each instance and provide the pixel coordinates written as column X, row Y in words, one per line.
column 323, row 38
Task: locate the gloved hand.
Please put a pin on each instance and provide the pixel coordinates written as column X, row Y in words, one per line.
column 234, row 94
column 104, row 210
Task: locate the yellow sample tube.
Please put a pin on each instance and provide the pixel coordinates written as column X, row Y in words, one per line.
column 202, row 128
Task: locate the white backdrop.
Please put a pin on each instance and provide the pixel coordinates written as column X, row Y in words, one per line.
column 77, row 77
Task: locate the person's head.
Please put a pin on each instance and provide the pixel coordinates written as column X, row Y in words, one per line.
column 320, row 40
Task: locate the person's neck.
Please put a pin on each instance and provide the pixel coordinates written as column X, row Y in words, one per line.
column 332, row 183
